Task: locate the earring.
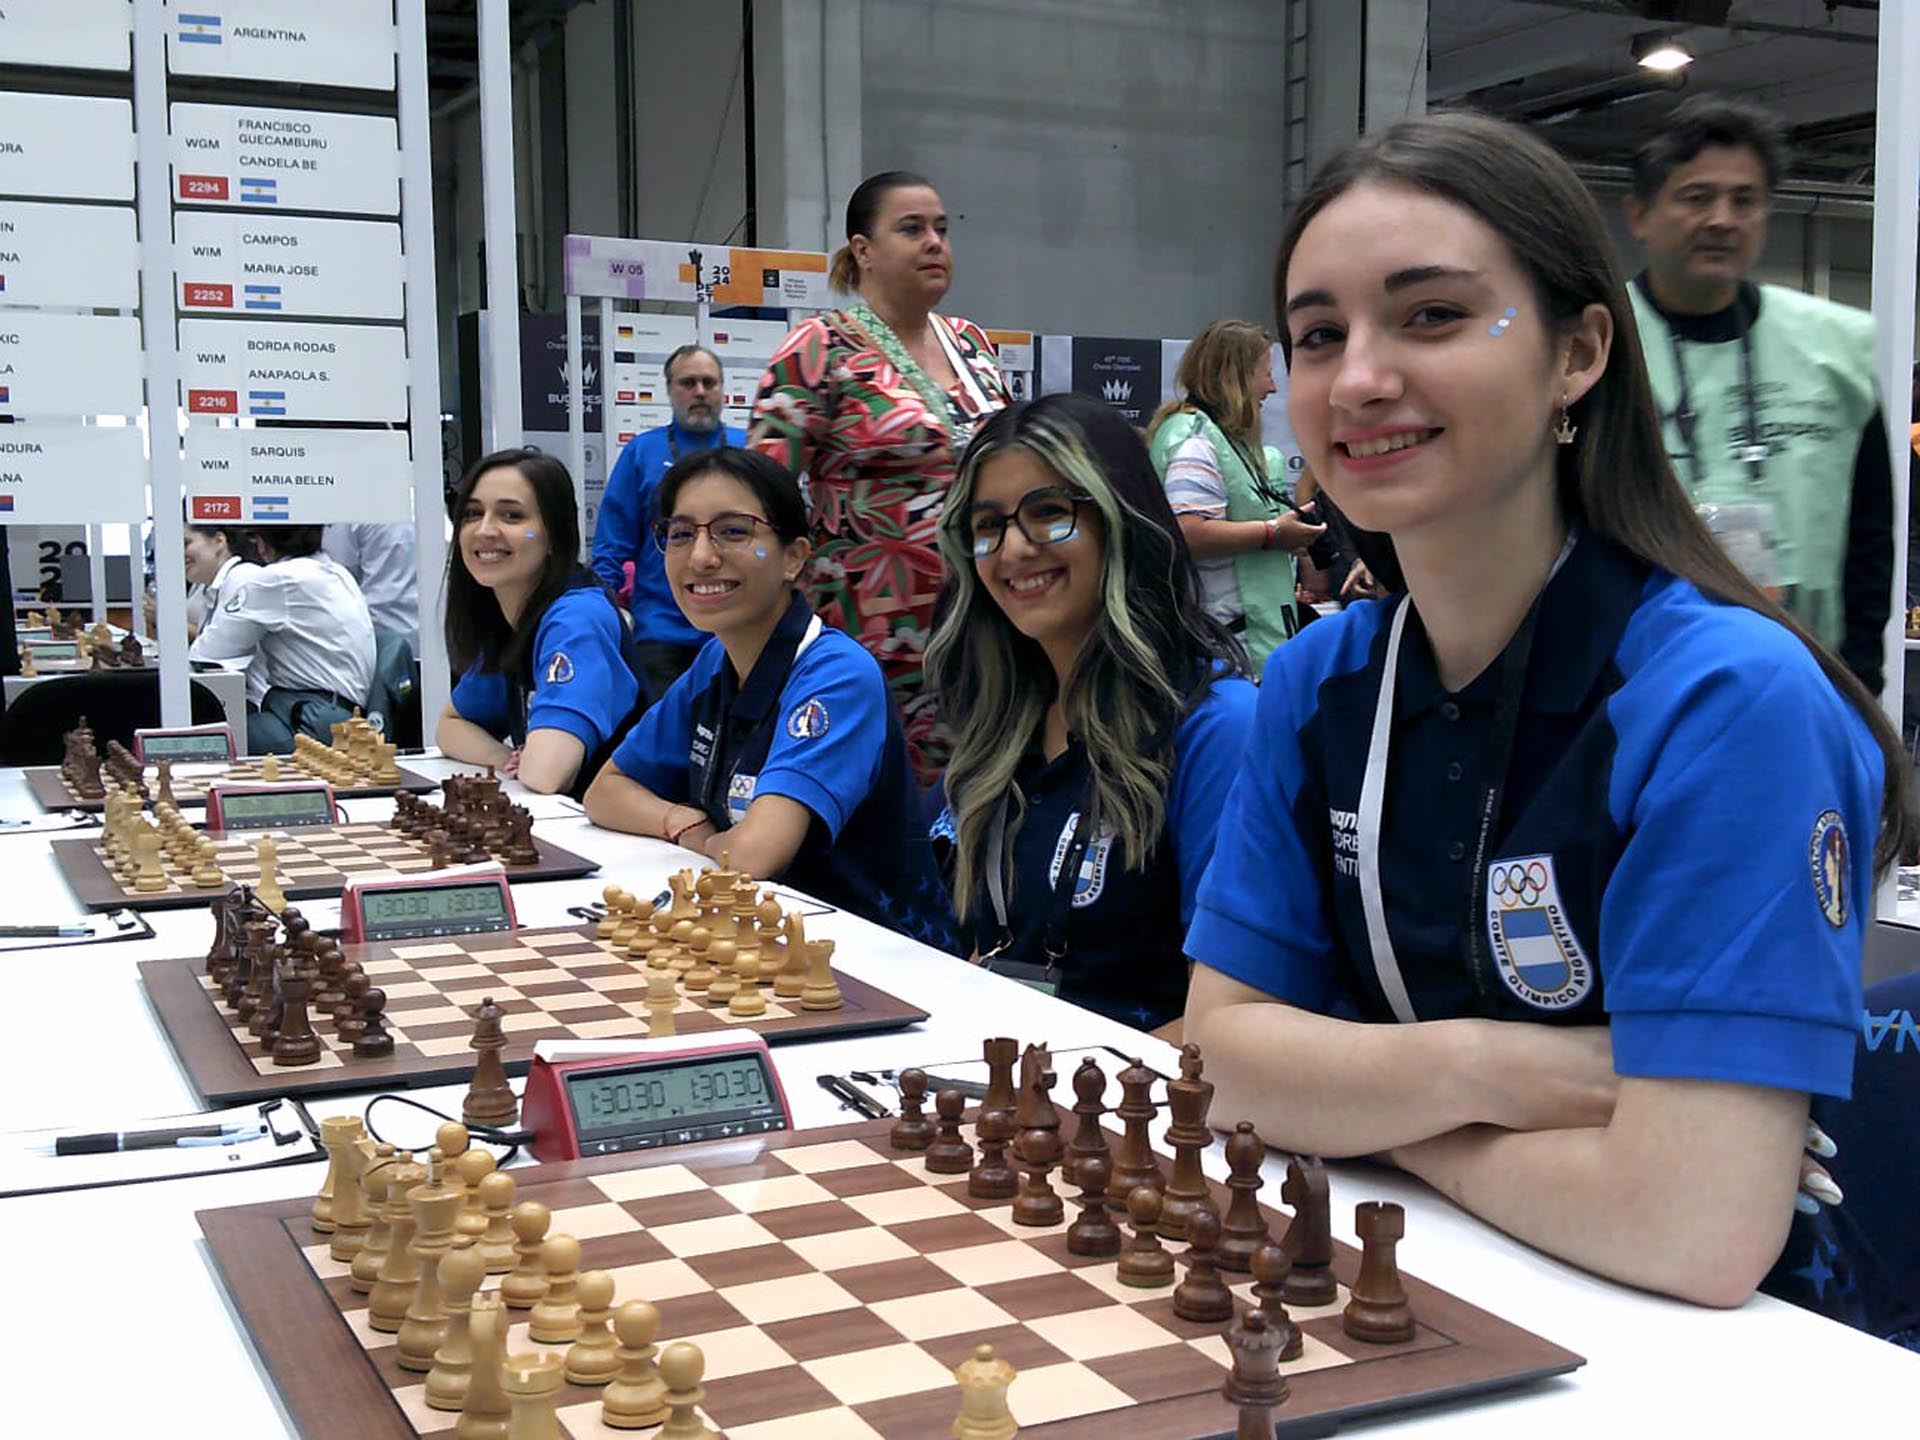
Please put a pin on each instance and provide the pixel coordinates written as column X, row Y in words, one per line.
column 1564, row 432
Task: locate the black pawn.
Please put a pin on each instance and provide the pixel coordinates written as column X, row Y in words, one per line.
column 373, row 1041
column 1094, row 1232
column 1203, row 1297
column 993, row 1178
column 1146, row 1264
column 1039, row 1204
column 1270, row 1267
column 949, row 1154
column 912, row 1131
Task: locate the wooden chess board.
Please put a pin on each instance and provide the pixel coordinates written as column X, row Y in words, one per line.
column 559, row 984
column 315, row 861
column 50, row 787
column 833, row 1284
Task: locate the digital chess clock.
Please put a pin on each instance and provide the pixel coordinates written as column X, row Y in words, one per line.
column 189, row 745
column 54, row 650
column 471, row 900
column 270, row 807
column 604, row 1097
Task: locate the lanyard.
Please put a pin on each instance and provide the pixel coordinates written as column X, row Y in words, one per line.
column 1060, row 906
column 1754, row 453
column 714, row 773
column 1373, row 789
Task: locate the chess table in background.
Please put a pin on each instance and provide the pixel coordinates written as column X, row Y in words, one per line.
column 833, row 1284
column 556, row 984
column 315, row 861
column 53, row 792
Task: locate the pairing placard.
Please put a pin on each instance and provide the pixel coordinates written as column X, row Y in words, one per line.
column 71, row 474
column 282, row 370
column 299, row 477
column 70, row 364
column 83, row 256
column 279, row 264
column 260, row 158
column 343, row 42
column 72, row 34
column 65, row 147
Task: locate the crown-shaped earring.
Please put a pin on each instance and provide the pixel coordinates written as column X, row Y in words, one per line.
column 1564, row 432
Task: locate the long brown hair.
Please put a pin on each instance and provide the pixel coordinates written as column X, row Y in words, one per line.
column 1216, row 377
column 1615, row 479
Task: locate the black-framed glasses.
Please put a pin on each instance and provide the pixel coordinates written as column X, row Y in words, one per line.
column 731, row 531
column 1045, row 516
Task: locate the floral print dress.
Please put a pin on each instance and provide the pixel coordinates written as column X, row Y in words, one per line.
column 876, row 460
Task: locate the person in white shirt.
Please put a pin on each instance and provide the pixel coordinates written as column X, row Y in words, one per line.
column 380, row 559
column 305, row 624
column 215, row 553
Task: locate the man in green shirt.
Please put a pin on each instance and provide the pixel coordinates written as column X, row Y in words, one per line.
column 1766, row 394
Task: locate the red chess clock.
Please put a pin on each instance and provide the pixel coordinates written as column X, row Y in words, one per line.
column 186, row 745
column 270, row 807
column 602, row 1097
column 469, row 900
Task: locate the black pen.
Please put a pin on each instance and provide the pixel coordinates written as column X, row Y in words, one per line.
column 111, row 1141
column 852, row 1099
column 41, row 932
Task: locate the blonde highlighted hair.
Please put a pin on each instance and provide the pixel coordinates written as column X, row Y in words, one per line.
column 1216, row 377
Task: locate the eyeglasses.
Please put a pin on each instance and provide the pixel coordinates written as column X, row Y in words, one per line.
column 1046, row 517
column 727, row 532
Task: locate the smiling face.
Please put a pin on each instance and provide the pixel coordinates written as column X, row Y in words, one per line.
column 1424, row 385
column 1051, row 592
column 906, row 257
column 731, row 576
column 206, row 553
column 503, row 540
column 1705, row 227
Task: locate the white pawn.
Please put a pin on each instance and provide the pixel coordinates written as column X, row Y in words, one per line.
column 556, row 1316
column 527, row 1285
column 594, row 1358
column 496, row 1198
column 638, row 1397
column 681, row 1366
column 461, row 1271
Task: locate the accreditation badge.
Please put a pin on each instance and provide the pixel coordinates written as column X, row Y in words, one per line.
column 1534, row 948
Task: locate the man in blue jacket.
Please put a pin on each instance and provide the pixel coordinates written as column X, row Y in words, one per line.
column 622, row 533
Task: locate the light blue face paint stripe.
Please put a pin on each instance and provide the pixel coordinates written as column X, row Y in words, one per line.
column 1499, row 327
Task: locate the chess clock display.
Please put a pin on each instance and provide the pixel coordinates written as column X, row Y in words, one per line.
column 605, row 1097
column 270, row 807
column 188, row 745
column 55, row 650
column 475, row 900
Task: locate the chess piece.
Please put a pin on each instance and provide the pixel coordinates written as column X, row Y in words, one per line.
column 1203, row 1297
column 374, row 1181
column 912, row 1131
column 434, row 1207
column 1134, row 1164
column 150, row 874
column 681, row 1366
column 1089, row 1092
column 1038, row 1203
column 270, row 769
column 792, row 979
column 594, row 1359
column 1000, row 1055
column 663, row 997
column 349, row 1209
column 267, row 888
column 490, row 1099
column 527, row 1285
column 532, row 1383
column 1188, row 1099
column 949, row 1154
column 1094, row 1232
column 1309, row 1238
column 820, row 991
column 1144, row 1264
column 460, row 1273
column 749, row 1001
column 1033, row 1060
column 496, row 1243
column 556, row 1315
column 726, row 979
column 374, row 1041
column 637, row 1397
column 984, row 1380
column 29, row 667
column 1243, row 1229
column 468, row 1171
column 484, row 1410
column 1378, row 1311
column 399, row 1276
column 701, row 974
column 348, row 1024
column 993, row 1178
column 1255, row 1383
column 206, row 873
column 163, row 793
column 1270, row 1266
column 337, row 1133
column 296, row 1043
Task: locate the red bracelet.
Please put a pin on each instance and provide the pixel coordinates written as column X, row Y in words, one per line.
column 1273, row 534
column 674, row 838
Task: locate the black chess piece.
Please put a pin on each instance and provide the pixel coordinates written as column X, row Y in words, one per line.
column 1378, row 1311
column 1038, row 1203
column 1243, row 1229
column 374, row 1041
column 912, row 1131
column 1094, row 1232
column 993, row 1178
column 1255, row 1383
column 1309, row 1238
column 1270, row 1267
column 1145, row 1263
column 1203, row 1296
column 949, row 1154
column 1089, row 1104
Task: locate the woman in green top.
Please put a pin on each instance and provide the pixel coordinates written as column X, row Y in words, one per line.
column 1237, row 518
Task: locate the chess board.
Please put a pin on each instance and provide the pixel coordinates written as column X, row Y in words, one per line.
column 50, row 788
column 559, row 984
column 315, row 861
column 833, row 1284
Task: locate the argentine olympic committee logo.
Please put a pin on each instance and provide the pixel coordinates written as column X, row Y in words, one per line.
column 1827, row 858
column 559, row 669
column 1091, row 882
column 808, row 720
column 1534, row 948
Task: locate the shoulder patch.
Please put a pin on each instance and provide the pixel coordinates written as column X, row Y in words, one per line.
column 1534, row 947
column 808, row 720
column 559, row 669
column 235, row 601
column 1827, row 859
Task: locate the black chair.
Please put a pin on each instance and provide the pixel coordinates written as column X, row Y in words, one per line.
column 115, row 704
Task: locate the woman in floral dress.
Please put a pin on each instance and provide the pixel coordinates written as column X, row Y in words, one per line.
column 871, row 406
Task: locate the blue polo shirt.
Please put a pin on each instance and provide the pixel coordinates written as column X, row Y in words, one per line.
column 813, row 722
column 1123, row 927
column 1684, row 849
column 627, row 510
column 584, row 680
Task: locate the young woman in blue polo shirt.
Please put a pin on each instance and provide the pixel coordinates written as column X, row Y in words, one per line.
column 1097, row 710
column 779, row 746
column 1547, row 876
column 549, row 668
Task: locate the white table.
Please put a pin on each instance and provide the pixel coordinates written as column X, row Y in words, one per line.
column 126, row 1306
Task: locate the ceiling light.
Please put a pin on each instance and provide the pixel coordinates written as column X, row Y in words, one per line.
column 1661, row 53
